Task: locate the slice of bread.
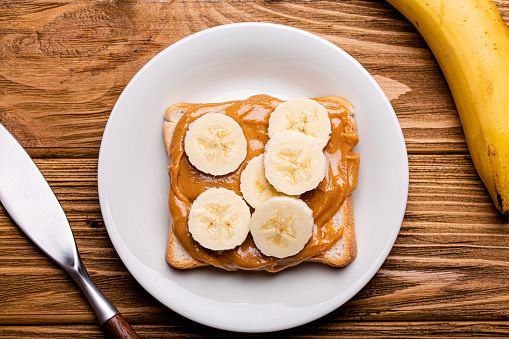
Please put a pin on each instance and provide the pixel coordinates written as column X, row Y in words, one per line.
column 340, row 254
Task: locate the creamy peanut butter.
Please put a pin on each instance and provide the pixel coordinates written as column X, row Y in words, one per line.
column 253, row 115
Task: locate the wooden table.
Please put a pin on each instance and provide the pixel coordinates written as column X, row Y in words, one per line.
column 63, row 65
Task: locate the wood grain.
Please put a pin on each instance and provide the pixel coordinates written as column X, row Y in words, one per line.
column 495, row 329
column 63, row 65
column 451, row 257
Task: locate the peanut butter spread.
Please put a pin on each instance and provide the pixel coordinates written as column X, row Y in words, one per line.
column 253, row 115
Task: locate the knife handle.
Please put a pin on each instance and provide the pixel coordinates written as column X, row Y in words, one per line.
column 118, row 327
column 112, row 322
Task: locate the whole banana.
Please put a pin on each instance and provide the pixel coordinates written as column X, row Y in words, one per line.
column 470, row 41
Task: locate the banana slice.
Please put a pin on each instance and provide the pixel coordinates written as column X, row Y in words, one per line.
column 294, row 163
column 254, row 186
column 215, row 144
column 302, row 115
column 219, row 219
column 281, row 226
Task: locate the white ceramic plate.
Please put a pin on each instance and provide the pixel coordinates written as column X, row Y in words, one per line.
column 234, row 62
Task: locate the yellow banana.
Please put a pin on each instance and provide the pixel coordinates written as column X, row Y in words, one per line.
column 470, row 41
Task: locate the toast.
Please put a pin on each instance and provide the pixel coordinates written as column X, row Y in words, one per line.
column 340, row 254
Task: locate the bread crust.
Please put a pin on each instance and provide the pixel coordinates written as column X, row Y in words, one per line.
column 340, row 254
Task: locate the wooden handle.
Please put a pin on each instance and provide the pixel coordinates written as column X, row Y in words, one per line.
column 118, row 327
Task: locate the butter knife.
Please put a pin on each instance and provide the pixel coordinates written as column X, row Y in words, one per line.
column 34, row 208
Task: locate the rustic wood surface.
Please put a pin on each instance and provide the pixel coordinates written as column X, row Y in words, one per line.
column 63, row 65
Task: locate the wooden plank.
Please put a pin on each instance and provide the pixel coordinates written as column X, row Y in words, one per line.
column 317, row 329
column 65, row 64
column 451, row 259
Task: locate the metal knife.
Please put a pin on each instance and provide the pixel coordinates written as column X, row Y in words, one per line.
column 33, row 206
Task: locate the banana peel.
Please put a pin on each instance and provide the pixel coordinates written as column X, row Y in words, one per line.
column 470, row 41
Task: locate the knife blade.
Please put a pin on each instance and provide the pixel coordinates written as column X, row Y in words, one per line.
column 29, row 200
